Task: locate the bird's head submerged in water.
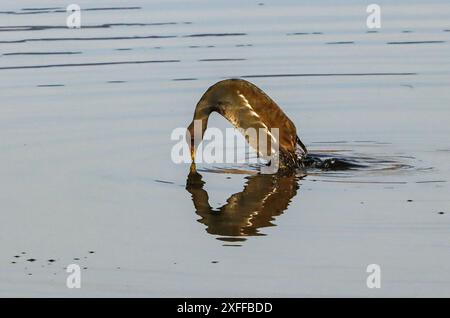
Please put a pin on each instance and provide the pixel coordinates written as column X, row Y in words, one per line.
column 247, row 107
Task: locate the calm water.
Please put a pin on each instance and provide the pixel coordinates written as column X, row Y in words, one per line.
column 86, row 175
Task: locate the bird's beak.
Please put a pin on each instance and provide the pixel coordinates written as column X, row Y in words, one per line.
column 194, row 136
column 191, row 142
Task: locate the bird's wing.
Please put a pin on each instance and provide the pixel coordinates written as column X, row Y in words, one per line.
column 247, row 107
column 263, row 138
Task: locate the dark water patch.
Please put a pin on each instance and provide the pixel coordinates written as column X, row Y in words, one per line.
column 312, row 161
column 232, row 245
column 99, row 26
column 91, row 39
column 243, row 45
column 41, row 53
column 102, row 9
column 326, row 74
column 163, row 181
column 113, row 8
column 341, row 42
column 329, row 161
column 50, row 85
column 330, row 142
column 116, row 82
column 359, row 182
column 198, row 35
column 28, row 12
column 40, row 9
column 407, row 31
column 185, row 79
column 446, row 30
column 222, row 60
column 86, row 64
column 107, row 25
column 372, row 31
column 432, row 181
column 27, row 28
column 304, row 33
column 425, row 168
column 124, row 49
column 63, row 10
column 214, row 262
column 415, row 42
column 200, row 46
column 232, row 239
column 441, row 212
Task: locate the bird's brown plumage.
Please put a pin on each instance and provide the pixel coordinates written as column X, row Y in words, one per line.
column 247, row 106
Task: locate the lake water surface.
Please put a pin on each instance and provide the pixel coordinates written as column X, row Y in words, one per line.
column 86, row 175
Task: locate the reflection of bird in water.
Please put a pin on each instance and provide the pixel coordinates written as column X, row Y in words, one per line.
column 248, row 107
column 264, row 197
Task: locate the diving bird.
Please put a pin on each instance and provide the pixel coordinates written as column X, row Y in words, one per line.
column 246, row 106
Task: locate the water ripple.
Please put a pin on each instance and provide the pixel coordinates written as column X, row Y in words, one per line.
column 86, row 64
